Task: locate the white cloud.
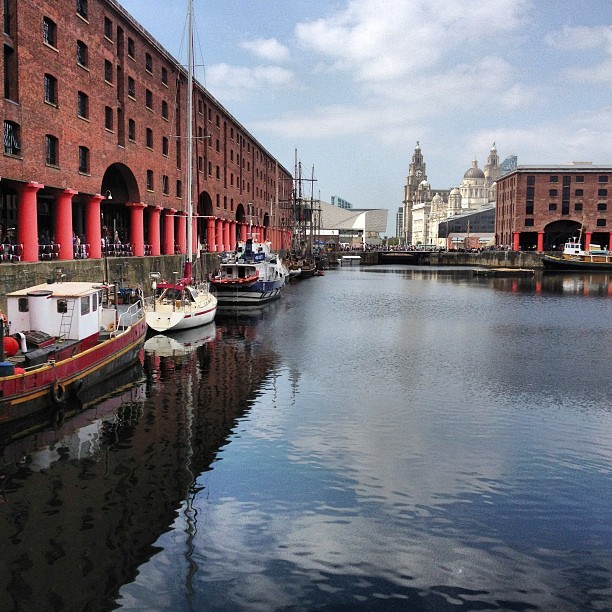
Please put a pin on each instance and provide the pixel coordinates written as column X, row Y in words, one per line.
column 321, row 123
column 391, row 39
column 572, row 38
column 555, row 142
column 233, row 82
column 268, row 49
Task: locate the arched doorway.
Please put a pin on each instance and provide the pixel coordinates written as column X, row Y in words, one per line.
column 119, row 186
column 204, row 216
column 557, row 233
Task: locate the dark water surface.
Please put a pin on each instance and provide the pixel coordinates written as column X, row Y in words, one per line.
column 378, row 439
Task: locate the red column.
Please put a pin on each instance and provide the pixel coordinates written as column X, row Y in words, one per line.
column 540, row 241
column 587, row 240
column 27, row 220
column 226, row 236
column 137, row 227
column 233, row 236
column 182, row 233
column 210, row 234
column 243, row 232
column 154, row 233
column 218, row 234
column 610, row 242
column 516, row 240
column 62, row 227
column 195, row 239
column 93, row 226
column 169, row 231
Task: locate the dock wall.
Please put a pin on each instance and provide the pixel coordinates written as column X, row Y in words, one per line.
column 129, row 270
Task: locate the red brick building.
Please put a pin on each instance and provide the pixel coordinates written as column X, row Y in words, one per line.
column 539, row 207
column 94, row 139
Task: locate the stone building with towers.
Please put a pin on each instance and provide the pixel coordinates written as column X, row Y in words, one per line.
column 425, row 208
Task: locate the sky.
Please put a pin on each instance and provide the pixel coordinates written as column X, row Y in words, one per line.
column 352, row 85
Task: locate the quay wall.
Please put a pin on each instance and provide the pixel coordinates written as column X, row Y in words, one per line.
column 129, row 270
column 489, row 259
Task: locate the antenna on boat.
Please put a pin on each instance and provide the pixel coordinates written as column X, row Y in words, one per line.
column 188, row 261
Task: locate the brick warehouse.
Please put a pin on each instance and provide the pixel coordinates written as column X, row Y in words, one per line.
column 539, row 207
column 94, row 131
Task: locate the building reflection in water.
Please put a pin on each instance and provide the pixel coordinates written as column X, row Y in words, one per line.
column 83, row 505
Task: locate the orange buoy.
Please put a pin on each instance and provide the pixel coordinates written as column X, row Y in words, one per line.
column 11, row 346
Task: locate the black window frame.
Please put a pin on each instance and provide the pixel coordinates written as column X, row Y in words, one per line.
column 50, row 86
column 49, row 32
column 12, row 138
column 82, row 105
column 51, row 150
column 82, row 9
column 132, row 130
column 82, row 54
column 84, row 160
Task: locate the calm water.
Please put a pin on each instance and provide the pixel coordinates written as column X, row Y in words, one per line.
column 378, row 439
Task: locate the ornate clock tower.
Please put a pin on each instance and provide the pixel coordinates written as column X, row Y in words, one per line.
column 416, row 175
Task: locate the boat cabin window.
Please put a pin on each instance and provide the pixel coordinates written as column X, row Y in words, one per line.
column 94, row 302
column 23, row 305
column 62, row 306
column 85, row 305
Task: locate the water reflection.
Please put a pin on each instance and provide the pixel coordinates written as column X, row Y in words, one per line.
column 85, row 504
column 378, row 439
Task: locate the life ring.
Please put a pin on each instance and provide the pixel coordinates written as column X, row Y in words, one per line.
column 58, row 392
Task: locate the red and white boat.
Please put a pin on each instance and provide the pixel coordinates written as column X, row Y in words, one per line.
column 60, row 339
column 183, row 304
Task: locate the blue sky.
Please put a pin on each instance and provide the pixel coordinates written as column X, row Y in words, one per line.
column 353, row 84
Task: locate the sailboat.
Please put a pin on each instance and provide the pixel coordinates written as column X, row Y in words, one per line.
column 183, row 303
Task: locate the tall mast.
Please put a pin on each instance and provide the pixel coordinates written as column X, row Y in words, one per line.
column 189, row 141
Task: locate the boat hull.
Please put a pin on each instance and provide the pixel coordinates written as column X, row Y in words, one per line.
column 258, row 293
column 55, row 386
column 164, row 318
column 560, row 264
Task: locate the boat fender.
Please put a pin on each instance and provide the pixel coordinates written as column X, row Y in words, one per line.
column 58, row 392
column 22, row 342
column 58, row 417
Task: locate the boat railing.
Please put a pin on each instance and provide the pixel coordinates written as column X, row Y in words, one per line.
column 129, row 317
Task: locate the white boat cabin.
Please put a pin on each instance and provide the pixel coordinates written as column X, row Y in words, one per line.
column 71, row 310
column 573, row 247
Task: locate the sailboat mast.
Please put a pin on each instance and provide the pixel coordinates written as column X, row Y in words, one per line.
column 188, row 271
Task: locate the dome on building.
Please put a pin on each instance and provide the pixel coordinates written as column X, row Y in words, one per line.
column 455, row 191
column 474, row 172
column 424, row 184
column 437, row 198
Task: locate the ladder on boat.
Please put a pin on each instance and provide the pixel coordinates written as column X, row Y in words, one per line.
column 66, row 321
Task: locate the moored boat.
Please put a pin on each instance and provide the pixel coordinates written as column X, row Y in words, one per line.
column 61, row 339
column 183, row 304
column 574, row 257
column 179, row 305
column 251, row 275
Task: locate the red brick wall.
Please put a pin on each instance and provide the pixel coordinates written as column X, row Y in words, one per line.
column 513, row 197
column 36, row 118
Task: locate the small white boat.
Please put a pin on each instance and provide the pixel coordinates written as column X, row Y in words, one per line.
column 179, row 305
column 183, row 304
column 349, row 260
